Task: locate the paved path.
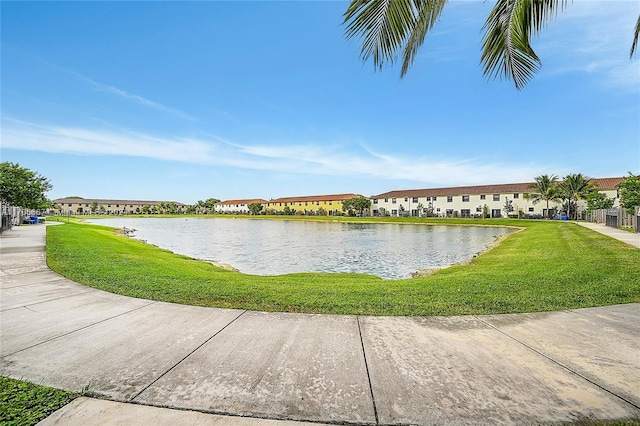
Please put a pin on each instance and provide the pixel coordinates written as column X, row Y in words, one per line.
column 256, row 368
column 624, row 236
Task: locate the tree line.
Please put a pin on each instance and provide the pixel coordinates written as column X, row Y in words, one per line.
column 575, row 187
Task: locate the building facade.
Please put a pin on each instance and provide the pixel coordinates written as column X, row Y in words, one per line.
column 238, row 206
column 313, row 205
column 85, row 206
column 474, row 201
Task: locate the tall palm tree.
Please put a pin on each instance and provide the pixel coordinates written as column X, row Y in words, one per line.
column 387, row 27
column 575, row 187
column 545, row 189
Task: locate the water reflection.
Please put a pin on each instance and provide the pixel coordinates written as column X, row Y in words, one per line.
column 274, row 247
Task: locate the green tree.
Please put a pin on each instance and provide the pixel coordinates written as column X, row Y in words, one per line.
column 287, row 210
column 387, row 28
column 255, row 208
column 359, row 203
column 22, row 187
column 545, row 188
column 598, row 200
column 94, row 206
column 575, row 187
column 629, row 191
column 508, row 207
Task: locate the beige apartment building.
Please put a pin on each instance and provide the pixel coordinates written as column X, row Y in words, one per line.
column 470, row 201
column 84, row 206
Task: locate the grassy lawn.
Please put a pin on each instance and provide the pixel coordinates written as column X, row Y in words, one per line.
column 547, row 266
column 23, row 403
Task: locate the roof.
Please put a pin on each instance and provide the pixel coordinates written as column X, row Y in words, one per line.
column 245, row 201
column 515, row 188
column 76, row 200
column 310, row 198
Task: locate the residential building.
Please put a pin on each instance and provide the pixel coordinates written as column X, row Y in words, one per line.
column 315, row 205
column 238, row 206
column 84, row 206
column 470, row 201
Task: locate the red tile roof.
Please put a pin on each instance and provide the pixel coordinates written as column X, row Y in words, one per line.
column 308, row 198
column 245, row 201
column 516, row 188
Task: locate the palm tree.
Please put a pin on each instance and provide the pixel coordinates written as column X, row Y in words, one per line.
column 387, row 27
column 575, row 187
column 545, row 189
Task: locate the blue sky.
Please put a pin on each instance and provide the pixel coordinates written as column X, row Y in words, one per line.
column 189, row 100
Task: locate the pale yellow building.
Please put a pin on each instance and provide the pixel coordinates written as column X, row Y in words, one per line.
column 315, row 205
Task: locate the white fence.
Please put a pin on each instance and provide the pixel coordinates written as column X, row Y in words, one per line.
column 10, row 216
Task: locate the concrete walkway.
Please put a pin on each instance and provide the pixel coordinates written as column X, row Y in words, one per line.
column 224, row 366
column 624, row 236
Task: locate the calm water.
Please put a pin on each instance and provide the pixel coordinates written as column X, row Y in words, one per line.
column 274, row 247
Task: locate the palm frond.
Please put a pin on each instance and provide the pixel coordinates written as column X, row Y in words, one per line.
column 388, row 26
column 383, row 26
column 506, row 48
column 428, row 13
column 635, row 39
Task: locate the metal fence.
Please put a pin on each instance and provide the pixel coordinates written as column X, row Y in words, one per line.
column 616, row 218
column 11, row 216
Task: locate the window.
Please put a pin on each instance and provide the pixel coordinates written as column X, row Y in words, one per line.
column 394, row 212
column 428, row 198
column 465, row 198
column 483, row 197
column 496, row 197
column 465, row 213
column 375, row 201
column 530, row 209
column 393, row 201
column 438, row 209
column 435, row 198
column 415, row 199
column 317, row 203
column 70, row 205
column 406, row 199
column 516, row 195
column 449, row 198
column 449, row 212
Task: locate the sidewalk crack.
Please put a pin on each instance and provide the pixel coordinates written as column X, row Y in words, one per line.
column 366, row 366
column 558, row 363
column 185, row 357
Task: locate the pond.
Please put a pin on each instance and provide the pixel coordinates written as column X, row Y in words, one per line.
column 274, row 247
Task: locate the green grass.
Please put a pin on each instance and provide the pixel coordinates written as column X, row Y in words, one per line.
column 23, row 403
column 547, row 266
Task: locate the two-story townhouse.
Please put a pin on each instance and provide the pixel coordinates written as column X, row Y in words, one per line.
column 470, row 201
column 238, row 206
column 317, row 205
column 85, row 206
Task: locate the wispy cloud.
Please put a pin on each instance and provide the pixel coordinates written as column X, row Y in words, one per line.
column 130, row 96
column 105, row 88
column 323, row 160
